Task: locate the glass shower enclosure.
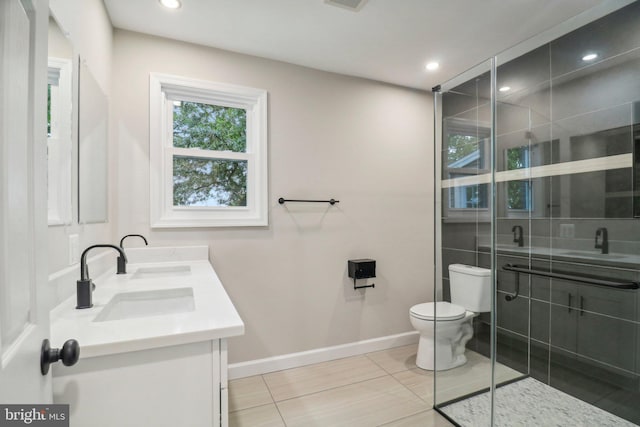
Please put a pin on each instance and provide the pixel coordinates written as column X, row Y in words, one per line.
column 538, row 180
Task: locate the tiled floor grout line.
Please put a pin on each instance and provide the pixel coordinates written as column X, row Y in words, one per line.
column 380, row 425
column 394, row 372
column 412, row 392
column 375, row 363
column 331, row 388
column 398, row 381
column 384, row 373
column 391, row 371
column 273, row 400
column 404, row 417
column 358, row 382
column 252, row 407
column 284, row 423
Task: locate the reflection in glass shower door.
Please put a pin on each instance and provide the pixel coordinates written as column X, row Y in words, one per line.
column 574, row 337
column 566, row 176
column 464, row 108
column 636, row 159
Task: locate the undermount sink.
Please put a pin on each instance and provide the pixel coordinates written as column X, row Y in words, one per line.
column 163, row 271
column 131, row 305
column 591, row 255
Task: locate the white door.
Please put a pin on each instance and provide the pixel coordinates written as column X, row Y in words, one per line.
column 24, row 303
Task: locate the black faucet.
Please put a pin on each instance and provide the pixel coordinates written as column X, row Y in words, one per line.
column 517, row 235
column 123, row 261
column 133, row 235
column 604, row 245
column 85, row 286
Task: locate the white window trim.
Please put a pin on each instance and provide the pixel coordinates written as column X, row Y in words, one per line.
column 163, row 214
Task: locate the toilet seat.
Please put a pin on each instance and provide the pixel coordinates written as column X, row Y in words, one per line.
column 444, row 311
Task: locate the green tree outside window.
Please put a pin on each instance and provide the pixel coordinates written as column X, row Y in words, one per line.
column 199, row 181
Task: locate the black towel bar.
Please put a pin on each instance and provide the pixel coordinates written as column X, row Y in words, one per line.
column 330, row 201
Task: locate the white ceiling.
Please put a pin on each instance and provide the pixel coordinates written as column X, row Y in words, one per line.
column 387, row 40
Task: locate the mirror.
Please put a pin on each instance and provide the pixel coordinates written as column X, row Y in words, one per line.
column 605, row 193
column 92, row 150
column 59, row 125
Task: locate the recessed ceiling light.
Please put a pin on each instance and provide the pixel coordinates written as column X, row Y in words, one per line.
column 432, row 66
column 590, row 57
column 171, row 4
column 505, row 88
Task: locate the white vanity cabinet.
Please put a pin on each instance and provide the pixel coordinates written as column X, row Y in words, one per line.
column 183, row 385
column 141, row 365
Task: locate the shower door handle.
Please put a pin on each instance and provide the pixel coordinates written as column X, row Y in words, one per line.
column 569, row 302
column 581, row 306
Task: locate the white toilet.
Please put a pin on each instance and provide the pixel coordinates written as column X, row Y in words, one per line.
column 470, row 296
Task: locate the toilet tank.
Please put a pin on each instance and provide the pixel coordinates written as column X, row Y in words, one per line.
column 470, row 287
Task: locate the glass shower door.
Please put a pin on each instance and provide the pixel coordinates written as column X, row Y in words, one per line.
column 580, row 92
column 464, row 211
column 538, row 177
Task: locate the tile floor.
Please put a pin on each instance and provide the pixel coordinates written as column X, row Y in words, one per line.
column 384, row 388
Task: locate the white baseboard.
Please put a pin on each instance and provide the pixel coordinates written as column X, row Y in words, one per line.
column 294, row 360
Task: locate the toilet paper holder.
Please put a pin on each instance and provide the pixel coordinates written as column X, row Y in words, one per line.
column 362, row 269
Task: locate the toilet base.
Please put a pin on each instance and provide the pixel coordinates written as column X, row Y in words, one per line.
column 443, row 356
column 447, row 350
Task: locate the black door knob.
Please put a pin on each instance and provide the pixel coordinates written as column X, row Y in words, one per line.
column 69, row 354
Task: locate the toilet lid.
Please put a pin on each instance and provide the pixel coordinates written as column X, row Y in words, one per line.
column 444, row 311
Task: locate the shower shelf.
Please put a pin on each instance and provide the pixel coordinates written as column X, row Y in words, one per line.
column 582, row 278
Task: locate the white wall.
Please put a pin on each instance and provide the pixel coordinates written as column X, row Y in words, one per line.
column 365, row 143
column 91, row 35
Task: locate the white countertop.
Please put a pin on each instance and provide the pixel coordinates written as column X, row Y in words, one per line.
column 213, row 317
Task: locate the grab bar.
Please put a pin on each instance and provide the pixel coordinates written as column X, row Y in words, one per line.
column 575, row 277
column 511, row 297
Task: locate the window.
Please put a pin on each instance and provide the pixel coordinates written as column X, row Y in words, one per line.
column 208, row 154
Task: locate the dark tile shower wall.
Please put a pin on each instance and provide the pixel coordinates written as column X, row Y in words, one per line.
column 582, row 339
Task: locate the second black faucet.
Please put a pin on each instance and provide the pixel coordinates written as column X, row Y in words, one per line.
column 122, row 259
column 604, row 243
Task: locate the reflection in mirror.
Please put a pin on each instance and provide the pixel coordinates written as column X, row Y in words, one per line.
column 92, row 150
column 636, row 159
column 59, row 126
column 531, row 197
column 466, row 153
